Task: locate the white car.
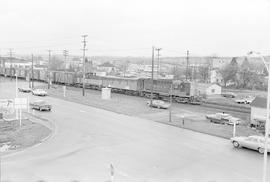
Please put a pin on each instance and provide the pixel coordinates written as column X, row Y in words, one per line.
column 251, row 142
column 160, row 104
column 246, row 100
column 39, row 92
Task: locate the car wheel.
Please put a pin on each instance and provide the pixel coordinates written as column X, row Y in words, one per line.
column 261, row 150
column 236, row 144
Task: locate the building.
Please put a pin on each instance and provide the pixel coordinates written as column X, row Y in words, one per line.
column 207, row 89
column 258, row 111
column 106, row 67
column 215, row 76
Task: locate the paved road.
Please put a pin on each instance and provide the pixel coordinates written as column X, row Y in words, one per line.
column 87, row 140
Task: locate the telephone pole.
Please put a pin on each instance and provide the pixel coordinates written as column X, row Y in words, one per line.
column 158, row 56
column 32, row 75
column 152, row 75
column 10, row 61
column 84, row 49
column 65, row 53
column 187, row 68
column 48, row 69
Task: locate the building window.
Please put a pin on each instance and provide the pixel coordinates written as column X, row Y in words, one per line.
column 213, row 90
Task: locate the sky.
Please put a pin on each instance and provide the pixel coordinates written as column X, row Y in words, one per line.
column 132, row 27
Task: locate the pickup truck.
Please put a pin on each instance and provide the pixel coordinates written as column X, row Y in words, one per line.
column 223, row 118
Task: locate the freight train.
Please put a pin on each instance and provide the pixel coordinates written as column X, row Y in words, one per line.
column 181, row 91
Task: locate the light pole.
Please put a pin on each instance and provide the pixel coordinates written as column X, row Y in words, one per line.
column 267, row 65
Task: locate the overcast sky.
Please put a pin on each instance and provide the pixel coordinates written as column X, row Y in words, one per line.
column 131, row 27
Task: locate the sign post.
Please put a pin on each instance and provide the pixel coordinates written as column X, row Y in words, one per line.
column 112, row 173
column 64, row 91
column 16, row 93
column 234, row 129
column 21, row 103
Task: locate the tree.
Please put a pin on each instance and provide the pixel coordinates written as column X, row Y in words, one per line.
column 203, row 73
column 178, row 72
column 229, row 72
column 244, row 76
column 56, row 63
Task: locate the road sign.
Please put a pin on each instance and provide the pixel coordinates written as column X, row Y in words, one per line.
column 20, row 103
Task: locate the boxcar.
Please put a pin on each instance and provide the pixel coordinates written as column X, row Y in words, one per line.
column 130, row 86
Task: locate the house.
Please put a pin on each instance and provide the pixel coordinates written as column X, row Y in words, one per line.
column 258, row 111
column 215, row 76
column 207, row 89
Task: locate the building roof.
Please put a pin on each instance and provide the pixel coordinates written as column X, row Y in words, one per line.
column 259, row 102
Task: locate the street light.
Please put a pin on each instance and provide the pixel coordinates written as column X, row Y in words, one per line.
column 267, row 65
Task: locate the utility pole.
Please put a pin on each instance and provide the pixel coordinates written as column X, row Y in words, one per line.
column 170, row 111
column 84, row 49
column 187, row 68
column 158, row 56
column 65, row 53
column 10, row 61
column 32, row 75
column 48, row 69
column 152, row 75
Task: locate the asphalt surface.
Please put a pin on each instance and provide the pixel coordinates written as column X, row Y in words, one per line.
column 87, row 140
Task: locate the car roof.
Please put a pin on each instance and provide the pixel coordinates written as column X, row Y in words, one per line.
column 224, row 114
column 39, row 101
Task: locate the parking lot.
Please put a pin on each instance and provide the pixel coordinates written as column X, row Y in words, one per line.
column 194, row 115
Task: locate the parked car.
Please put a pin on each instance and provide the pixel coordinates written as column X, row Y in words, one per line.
column 251, row 142
column 39, row 92
column 160, row 104
column 228, row 95
column 249, row 100
column 25, row 89
column 246, row 100
column 223, row 118
column 40, row 105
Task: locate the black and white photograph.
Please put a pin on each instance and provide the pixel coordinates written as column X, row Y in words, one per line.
column 134, row 91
